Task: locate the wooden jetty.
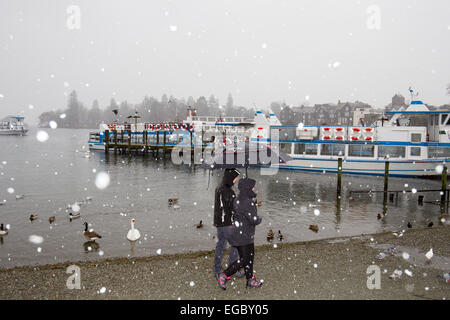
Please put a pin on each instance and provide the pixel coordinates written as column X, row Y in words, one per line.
column 156, row 142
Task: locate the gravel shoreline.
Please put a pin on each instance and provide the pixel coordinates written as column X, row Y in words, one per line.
column 321, row 269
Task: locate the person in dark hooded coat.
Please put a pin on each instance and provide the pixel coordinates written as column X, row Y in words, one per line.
column 223, row 213
column 245, row 220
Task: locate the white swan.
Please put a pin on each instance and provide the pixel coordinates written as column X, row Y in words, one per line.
column 133, row 234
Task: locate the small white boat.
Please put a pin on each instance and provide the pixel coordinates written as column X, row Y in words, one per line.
column 13, row 126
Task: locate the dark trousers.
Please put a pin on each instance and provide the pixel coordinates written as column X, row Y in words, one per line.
column 246, row 256
column 223, row 237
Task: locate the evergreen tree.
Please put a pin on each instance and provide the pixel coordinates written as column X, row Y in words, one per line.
column 229, row 108
column 73, row 111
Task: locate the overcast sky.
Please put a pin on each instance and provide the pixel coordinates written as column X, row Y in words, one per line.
column 259, row 51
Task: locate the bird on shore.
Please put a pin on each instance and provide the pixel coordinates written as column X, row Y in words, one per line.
column 173, row 201
column 52, row 219
column 200, row 225
column 133, row 234
column 409, row 225
column 3, row 230
column 314, row 227
column 19, row 196
column 280, row 236
column 270, row 235
column 90, row 235
column 33, row 217
column 430, row 224
column 74, row 215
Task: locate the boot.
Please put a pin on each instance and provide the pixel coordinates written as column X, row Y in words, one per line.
column 252, row 283
column 222, row 280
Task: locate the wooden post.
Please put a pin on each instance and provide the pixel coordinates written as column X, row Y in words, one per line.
column 386, row 184
column 121, row 142
column 157, row 143
column 115, row 141
column 129, row 141
column 192, row 147
column 339, row 178
column 164, row 144
column 420, row 200
column 145, row 137
column 203, row 140
column 443, row 189
column 391, row 197
column 106, row 141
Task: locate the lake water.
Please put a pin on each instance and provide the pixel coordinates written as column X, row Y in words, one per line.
column 56, row 173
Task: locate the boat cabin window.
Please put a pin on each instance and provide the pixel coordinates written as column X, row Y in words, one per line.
column 332, row 149
column 416, row 137
column 286, row 147
column 444, row 117
column 391, row 151
column 438, row 152
column 414, row 151
column 361, row 150
column 306, row 148
column 287, row 133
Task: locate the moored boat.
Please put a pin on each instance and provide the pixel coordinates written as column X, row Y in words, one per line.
column 13, row 125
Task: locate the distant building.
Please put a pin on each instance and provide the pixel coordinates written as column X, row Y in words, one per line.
column 324, row 114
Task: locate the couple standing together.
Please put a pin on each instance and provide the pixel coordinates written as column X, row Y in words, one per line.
column 235, row 218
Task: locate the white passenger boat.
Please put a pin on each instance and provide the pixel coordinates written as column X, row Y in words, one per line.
column 13, row 126
column 416, row 141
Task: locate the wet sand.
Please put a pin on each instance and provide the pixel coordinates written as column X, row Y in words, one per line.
column 323, row 269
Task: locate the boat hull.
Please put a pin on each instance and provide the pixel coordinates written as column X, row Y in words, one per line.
column 13, row 132
column 401, row 168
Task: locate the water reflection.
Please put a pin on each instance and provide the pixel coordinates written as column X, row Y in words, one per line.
column 90, row 246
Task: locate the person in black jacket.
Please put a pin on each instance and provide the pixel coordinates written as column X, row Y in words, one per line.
column 223, row 213
column 245, row 220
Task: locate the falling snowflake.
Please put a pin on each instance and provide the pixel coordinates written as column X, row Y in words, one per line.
column 102, row 180
column 439, row 168
column 35, row 239
column 336, row 64
column 75, row 207
column 173, row 28
column 53, row 124
column 62, row 115
column 39, row 249
column 405, row 255
column 11, row 190
column 42, row 136
column 102, row 290
column 316, row 212
column 192, row 283
column 158, row 251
